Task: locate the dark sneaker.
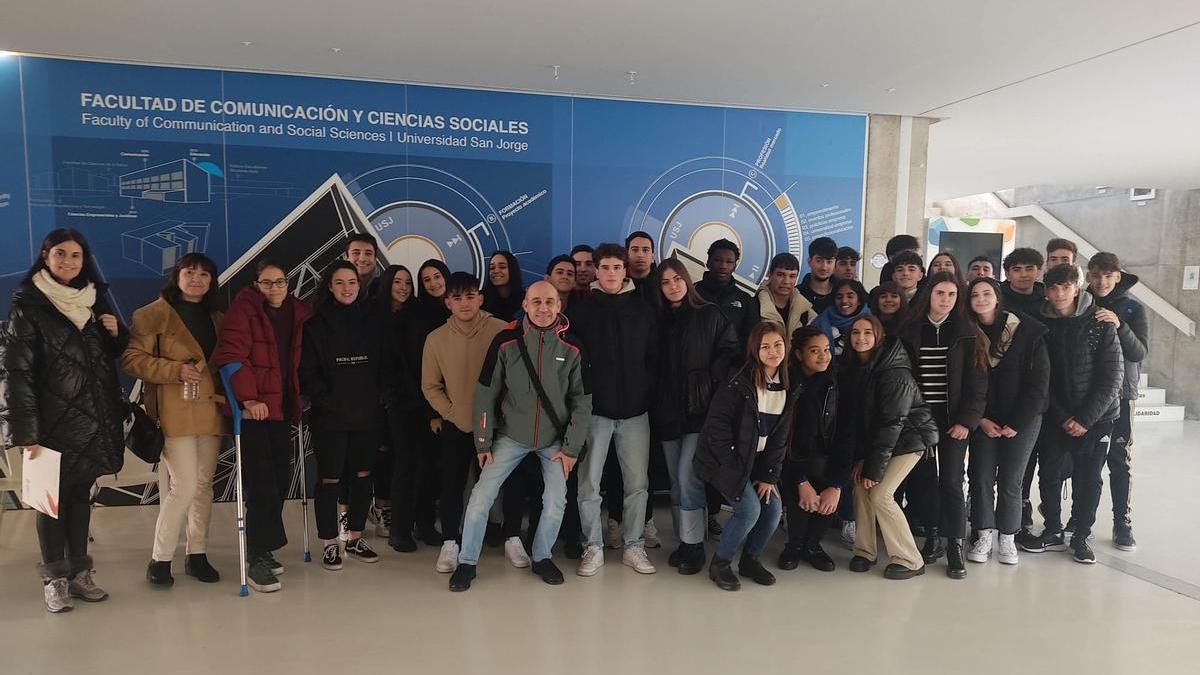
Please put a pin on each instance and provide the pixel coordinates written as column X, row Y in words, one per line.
column 461, row 579
column 159, row 574
column 331, row 559
column 260, row 577
column 58, row 598
column 722, row 575
column 895, row 571
column 402, row 542
column 548, row 571
column 861, row 564
column 1030, row 542
column 691, row 558
column 1026, row 515
column 276, row 566
column 197, row 566
column 573, row 550
column 754, row 570
column 430, row 536
column 1054, row 541
column 83, row 587
column 818, row 558
column 1081, row 551
column 359, row 550
column 1123, row 539
column 789, row 559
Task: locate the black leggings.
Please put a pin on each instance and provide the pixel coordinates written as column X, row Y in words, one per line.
column 66, row 536
column 341, row 457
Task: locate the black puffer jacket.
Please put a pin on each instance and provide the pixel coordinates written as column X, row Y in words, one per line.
column 619, row 332
column 426, row 315
column 726, row 454
column 59, row 387
column 340, row 364
column 817, row 449
column 967, row 386
column 733, row 302
column 697, row 349
column 883, row 410
column 1018, row 384
column 1030, row 305
column 400, row 378
column 1133, row 332
column 1086, row 368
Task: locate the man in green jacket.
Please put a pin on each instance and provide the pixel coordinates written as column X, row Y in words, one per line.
column 512, row 420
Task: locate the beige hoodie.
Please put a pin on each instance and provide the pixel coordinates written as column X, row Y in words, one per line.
column 450, row 365
column 800, row 310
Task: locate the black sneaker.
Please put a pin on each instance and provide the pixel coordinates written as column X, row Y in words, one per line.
column 1030, row 542
column 276, row 566
column 359, row 550
column 260, row 577
column 1123, row 539
column 818, row 558
column 789, row 558
column 754, row 570
column 691, row 559
column 159, row 574
column 197, row 566
column 1082, row 551
column 1026, row 514
column 461, row 579
column 402, row 542
column 861, row 564
column 722, row 575
column 332, row 558
column 548, row 571
column 1054, row 541
column 430, row 536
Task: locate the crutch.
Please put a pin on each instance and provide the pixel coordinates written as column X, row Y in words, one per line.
column 301, row 460
column 227, row 372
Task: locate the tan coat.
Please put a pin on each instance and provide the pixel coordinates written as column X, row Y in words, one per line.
column 159, row 345
column 450, row 367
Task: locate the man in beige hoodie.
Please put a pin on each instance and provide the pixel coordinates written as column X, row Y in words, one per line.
column 450, row 366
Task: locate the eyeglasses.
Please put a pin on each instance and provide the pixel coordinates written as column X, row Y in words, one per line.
column 272, row 283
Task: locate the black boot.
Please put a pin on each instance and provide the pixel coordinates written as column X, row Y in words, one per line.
column 816, row 556
column 751, row 568
column 463, row 575
column 691, row 558
column 197, row 565
column 722, row 575
column 933, row 548
column 956, row 568
column 790, row 558
column 159, row 574
column 402, row 541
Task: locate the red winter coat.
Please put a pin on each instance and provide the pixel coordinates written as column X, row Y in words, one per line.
column 247, row 338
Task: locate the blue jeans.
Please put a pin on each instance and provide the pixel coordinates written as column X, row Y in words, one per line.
column 506, row 455
column 632, row 437
column 753, row 521
column 688, row 500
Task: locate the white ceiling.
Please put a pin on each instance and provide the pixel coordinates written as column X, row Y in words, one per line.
column 1125, row 118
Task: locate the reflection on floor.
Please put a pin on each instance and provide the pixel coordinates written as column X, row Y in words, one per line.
column 1136, row 612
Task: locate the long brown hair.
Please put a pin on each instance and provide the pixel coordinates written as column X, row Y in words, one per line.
column 692, row 298
column 918, row 311
column 759, row 375
column 849, row 356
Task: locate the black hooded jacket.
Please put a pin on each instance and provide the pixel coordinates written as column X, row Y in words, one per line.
column 733, row 302
column 1030, row 305
column 1133, row 332
column 619, row 332
column 1086, row 367
column 340, row 367
column 819, row 302
column 817, row 448
column 59, row 386
column 697, row 349
column 1018, row 383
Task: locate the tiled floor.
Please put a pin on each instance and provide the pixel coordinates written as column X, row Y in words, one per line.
column 1135, row 612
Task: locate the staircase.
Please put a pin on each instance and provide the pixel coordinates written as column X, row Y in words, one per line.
column 1152, row 404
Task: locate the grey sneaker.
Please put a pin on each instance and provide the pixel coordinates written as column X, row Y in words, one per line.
column 650, row 535
column 276, row 566
column 260, row 577
column 83, row 587
column 58, row 597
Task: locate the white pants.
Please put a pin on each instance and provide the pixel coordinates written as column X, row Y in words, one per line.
column 185, row 477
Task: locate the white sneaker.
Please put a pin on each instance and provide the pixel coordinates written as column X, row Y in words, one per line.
column 592, row 561
column 613, row 536
column 650, row 535
column 635, row 557
column 848, row 533
column 514, row 552
column 981, row 550
column 1007, row 553
column 448, row 557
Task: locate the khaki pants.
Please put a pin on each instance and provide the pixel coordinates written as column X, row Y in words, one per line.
column 185, row 477
column 878, row 505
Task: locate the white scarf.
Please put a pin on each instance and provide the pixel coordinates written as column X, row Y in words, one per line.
column 73, row 303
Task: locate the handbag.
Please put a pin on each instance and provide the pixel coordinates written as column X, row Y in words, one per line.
column 143, row 435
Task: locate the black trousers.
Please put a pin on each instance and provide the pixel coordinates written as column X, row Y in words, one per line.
column 266, row 480
column 415, row 479
column 935, row 488
column 457, row 457
column 1120, row 461
column 805, row 528
column 1088, row 455
column 341, row 456
column 66, row 537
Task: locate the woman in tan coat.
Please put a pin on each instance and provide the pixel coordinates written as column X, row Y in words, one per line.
column 170, row 344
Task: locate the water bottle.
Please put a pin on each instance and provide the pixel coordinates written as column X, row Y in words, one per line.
column 191, row 390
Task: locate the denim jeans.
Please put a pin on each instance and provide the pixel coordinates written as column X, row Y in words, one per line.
column 997, row 466
column 632, row 440
column 688, row 499
column 753, row 522
column 506, row 456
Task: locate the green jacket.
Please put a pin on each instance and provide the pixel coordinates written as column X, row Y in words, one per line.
column 506, row 401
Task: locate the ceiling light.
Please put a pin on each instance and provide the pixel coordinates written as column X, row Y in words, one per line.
column 336, row 50
column 247, row 43
column 891, row 90
column 824, row 85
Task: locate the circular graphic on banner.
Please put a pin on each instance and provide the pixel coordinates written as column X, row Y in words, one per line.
column 697, row 202
column 421, row 212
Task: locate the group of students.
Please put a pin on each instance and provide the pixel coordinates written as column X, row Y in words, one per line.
column 809, row 397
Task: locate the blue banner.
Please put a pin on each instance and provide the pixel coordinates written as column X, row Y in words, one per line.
column 151, row 163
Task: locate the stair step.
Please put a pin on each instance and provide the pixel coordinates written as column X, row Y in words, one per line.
column 1151, row 396
column 1144, row 381
column 1158, row 413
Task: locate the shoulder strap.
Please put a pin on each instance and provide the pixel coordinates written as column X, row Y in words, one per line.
column 559, row 427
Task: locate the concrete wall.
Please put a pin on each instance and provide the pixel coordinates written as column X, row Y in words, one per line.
column 895, row 200
column 1154, row 241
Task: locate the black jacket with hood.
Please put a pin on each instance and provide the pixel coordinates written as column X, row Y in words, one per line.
column 1133, row 332
column 1029, row 305
column 697, row 350
column 733, row 302
column 619, row 332
column 967, row 385
column 818, row 448
column 1019, row 376
column 1086, row 367
column 819, row 302
column 341, row 364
